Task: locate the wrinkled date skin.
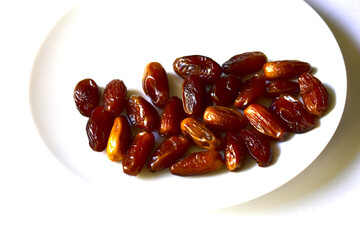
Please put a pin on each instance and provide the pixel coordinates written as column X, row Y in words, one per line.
column 138, row 153
column 266, row 122
column 314, row 94
column 119, row 139
column 115, row 96
column 171, row 117
column 98, row 128
column 258, row 146
column 224, row 118
column 86, row 96
column 235, row 152
column 251, row 90
column 202, row 67
column 225, row 90
column 245, row 63
column 286, row 69
column 142, row 114
column 202, row 136
column 155, row 84
column 277, row 87
column 194, row 96
column 198, row 163
column 293, row 113
column 168, row 152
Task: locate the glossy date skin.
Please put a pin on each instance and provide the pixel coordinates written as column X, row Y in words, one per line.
column 225, row 90
column 224, row 119
column 235, row 152
column 277, row 87
column 86, row 96
column 115, row 96
column 251, row 90
column 171, row 117
column 245, row 63
column 194, row 96
column 285, row 69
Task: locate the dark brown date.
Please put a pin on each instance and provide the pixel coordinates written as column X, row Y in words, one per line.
column 293, row 113
column 138, row 153
column 225, row 90
column 98, row 128
column 224, row 118
column 155, row 84
column 251, row 90
column 235, row 152
column 202, row 67
column 194, row 96
column 286, row 69
column 277, row 87
column 168, row 152
column 171, row 117
column 142, row 114
column 86, row 96
column 245, row 63
column 115, row 96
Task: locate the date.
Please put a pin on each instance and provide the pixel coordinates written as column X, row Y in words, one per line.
column 251, row 90
column 194, row 96
column 286, row 69
column 235, row 152
column 245, row 63
column 119, row 139
column 171, row 117
column 225, row 90
column 115, row 96
column 86, row 96
column 224, row 118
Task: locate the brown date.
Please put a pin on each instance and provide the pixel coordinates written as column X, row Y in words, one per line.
column 258, row 146
column 115, row 96
column 171, row 117
column 251, row 90
column 224, row 118
column 194, row 96
column 277, row 87
column 86, row 96
column 138, row 153
column 119, row 139
column 265, row 121
column 202, row 136
column 245, row 63
column 285, row 69
column 293, row 113
column 314, row 94
column 168, row 152
column 98, row 128
column 202, row 67
column 235, row 152
column 142, row 114
column 225, row 90
column 198, row 163
column 155, row 84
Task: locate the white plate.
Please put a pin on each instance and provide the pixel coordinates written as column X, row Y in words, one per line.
column 105, row 42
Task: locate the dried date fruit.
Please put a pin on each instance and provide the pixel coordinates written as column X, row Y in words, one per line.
column 198, row 163
column 293, row 113
column 202, row 67
column 115, row 96
column 277, row 87
column 265, row 121
column 155, row 84
column 225, row 90
column 245, row 63
column 138, row 153
column 168, row 152
column 314, row 94
column 119, row 139
column 224, row 118
column 142, row 114
column 285, row 69
column 251, row 90
column 197, row 131
column 235, row 152
column 258, row 146
column 98, row 128
column 171, row 117
column 86, row 96
column 194, row 96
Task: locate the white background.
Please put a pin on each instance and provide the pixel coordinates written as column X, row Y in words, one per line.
column 323, row 201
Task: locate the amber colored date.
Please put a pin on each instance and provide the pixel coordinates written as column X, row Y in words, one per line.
column 224, row 118
column 119, row 139
column 265, row 121
column 258, row 146
column 198, row 163
column 251, row 90
column 98, row 128
column 286, row 69
column 277, row 87
column 202, row 67
column 194, row 96
column 235, row 152
column 197, row 131
column 142, row 114
column 86, row 96
column 138, row 153
column 171, row 117
column 314, row 94
column 245, row 63
column 168, row 152
column 155, row 84
column 115, row 96
column 225, row 90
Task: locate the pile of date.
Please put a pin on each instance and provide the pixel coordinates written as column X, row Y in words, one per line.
column 220, row 112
